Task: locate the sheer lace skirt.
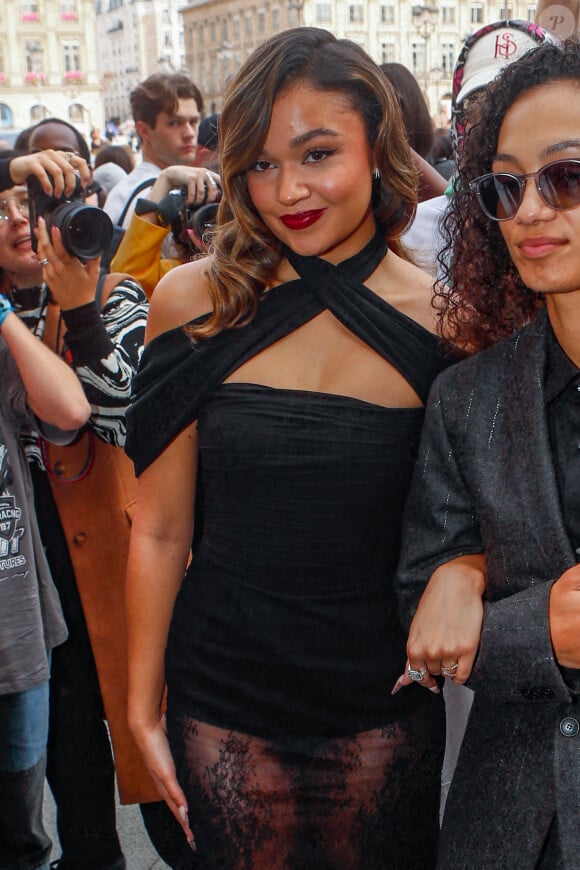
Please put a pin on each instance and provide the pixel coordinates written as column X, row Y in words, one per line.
column 363, row 802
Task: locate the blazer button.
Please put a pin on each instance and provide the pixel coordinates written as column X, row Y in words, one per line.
column 569, row 726
column 80, row 538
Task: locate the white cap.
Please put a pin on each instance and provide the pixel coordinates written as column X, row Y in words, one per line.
column 490, row 54
column 108, row 175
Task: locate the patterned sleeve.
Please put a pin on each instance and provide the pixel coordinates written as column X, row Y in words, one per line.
column 105, row 349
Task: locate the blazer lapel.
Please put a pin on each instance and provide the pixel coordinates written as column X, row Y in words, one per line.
column 528, row 443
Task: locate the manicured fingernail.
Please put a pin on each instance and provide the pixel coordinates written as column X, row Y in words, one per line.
column 397, row 687
column 192, row 845
column 182, row 814
column 435, row 689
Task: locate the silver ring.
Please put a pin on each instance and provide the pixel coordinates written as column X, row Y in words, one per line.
column 44, row 262
column 211, row 179
column 450, row 670
column 415, row 675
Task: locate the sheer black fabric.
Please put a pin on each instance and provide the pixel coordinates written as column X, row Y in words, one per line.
column 284, row 643
column 307, row 803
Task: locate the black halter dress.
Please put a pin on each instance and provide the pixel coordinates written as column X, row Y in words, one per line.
column 285, row 643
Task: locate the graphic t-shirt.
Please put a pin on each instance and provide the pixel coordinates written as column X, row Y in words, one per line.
column 31, row 620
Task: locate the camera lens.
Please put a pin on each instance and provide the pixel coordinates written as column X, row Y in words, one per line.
column 85, row 229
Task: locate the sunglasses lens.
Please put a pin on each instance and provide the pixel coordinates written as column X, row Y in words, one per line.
column 560, row 184
column 500, row 195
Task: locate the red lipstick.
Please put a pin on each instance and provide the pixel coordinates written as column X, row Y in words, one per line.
column 303, row 219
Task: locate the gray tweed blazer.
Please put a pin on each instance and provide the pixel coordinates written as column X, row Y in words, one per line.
column 485, row 482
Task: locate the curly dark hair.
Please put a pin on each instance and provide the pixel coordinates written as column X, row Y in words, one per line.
column 482, row 298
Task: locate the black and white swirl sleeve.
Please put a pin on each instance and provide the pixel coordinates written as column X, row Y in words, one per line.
column 105, row 348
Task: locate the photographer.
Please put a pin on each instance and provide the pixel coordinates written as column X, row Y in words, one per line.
column 36, row 386
column 141, row 250
column 83, row 493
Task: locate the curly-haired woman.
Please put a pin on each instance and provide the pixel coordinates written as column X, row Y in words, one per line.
column 294, row 397
column 499, row 475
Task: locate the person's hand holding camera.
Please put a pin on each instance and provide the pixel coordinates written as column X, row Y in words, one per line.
column 179, row 193
column 72, row 282
column 203, row 185
column 57, row 171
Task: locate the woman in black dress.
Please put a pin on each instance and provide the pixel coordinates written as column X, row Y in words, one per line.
column 280, row 402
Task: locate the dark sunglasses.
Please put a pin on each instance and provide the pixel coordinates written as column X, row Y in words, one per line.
column 500, row 194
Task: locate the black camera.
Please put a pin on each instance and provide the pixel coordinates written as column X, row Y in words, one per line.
column 198, row 217
column 86, row 230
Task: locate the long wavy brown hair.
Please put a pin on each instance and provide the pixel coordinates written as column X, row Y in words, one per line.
column 482, row 298
column 244, row 253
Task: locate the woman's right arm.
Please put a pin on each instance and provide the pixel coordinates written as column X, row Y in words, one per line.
column 160, row 540
column 161, row 536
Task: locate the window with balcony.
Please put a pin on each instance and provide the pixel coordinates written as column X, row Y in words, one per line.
column 476, row 14
column 70, row 58
column 447, row 58
column 236, row 28
column 448, row 15
column 249, row 24
column 388, row 52
column 418, row 58
column 34, row 56
column 356, row 13
column 323, row 13
column 275, row 19
column 387, row 14
column 261, row 21
column 68, row 10
column 29, row 10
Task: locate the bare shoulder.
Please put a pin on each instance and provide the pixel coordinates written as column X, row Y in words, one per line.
column 407, row 288
column 181, row 295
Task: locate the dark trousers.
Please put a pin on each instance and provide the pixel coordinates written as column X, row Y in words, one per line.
column 80, row 768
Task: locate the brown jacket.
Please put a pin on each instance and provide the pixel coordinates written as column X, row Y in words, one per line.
column 94, row 489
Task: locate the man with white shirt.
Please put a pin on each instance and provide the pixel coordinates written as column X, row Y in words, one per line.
column 166, row 109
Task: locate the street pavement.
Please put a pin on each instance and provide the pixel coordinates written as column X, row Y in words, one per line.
column 139, row 852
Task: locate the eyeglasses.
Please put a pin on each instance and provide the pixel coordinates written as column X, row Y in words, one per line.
column 21, row 203
column 500, row 194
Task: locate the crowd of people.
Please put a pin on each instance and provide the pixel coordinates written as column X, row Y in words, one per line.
column 290, row 512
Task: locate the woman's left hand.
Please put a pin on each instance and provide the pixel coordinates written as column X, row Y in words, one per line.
column 446, row 630
column 71, row 282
